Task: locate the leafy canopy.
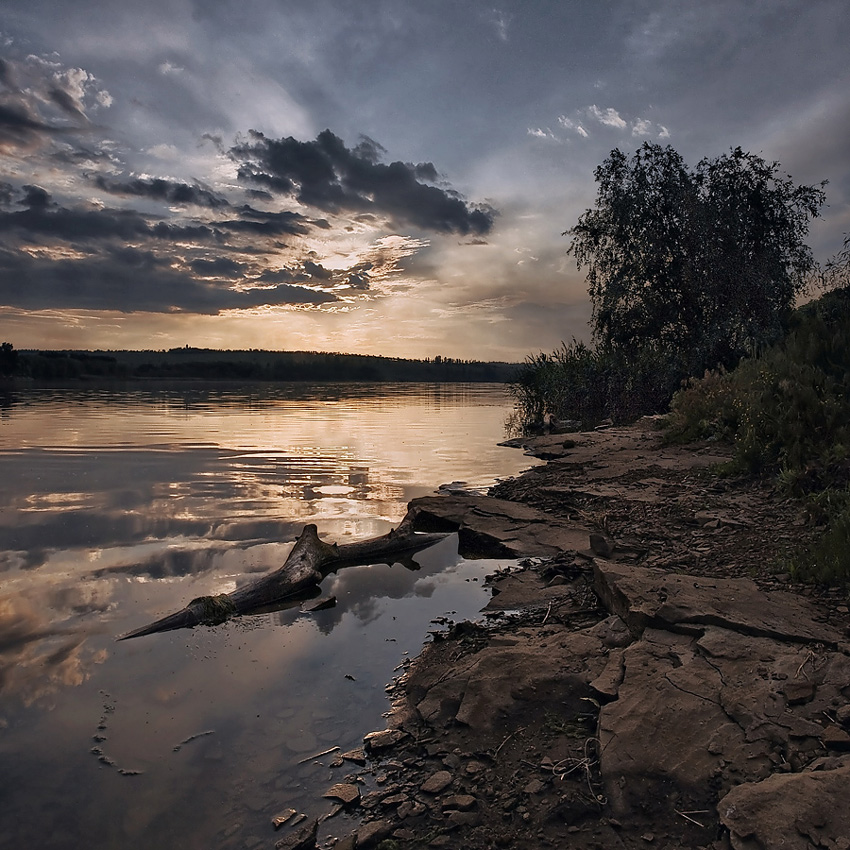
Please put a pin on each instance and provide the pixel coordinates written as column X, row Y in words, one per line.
column 700, row 265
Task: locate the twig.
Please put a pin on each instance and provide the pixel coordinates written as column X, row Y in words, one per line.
column 515, row 732
column 806, row 660
column 601, row 799
column 547, row 613
column 318, row 755
column 692, row 820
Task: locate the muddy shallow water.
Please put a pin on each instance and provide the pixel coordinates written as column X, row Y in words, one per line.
column 119, row 506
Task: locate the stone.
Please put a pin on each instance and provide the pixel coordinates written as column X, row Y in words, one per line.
column 302, row 839
column 486, row 688
column 835, row 738
column 357, row 756
column 461, row 802
column 344, row 792
column 799, row 692
column 497, row 528
column 607, row 683
column 373, row 833
column 644, row 597
column 285, row 816
column 384, row 740
column 601, row 544
column 437, row 782
column 670, row 693
column 795, row 811
column 457, row 819
column 535, row 786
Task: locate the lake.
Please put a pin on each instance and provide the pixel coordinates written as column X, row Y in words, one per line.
column 118, row 506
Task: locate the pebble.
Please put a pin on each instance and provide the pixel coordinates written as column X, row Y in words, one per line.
column 437, row 782
column 343, row 792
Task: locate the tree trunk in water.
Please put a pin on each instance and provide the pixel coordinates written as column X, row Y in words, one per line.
column 308, row 562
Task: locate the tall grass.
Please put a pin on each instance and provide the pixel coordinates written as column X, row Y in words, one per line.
column 589, row 385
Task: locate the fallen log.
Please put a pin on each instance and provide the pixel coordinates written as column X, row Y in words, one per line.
column 305, row 567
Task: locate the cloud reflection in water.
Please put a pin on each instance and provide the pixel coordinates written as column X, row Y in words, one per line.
column 116, row 509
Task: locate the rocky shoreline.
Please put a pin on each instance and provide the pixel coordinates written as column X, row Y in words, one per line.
column 646, row 678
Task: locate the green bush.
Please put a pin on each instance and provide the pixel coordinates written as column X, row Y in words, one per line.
column 828, row 560
column 788, row 413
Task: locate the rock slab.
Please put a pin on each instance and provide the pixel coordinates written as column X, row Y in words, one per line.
column 794, row 811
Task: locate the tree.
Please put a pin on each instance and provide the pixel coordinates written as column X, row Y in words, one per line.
column 8, row 359
column 698, row 266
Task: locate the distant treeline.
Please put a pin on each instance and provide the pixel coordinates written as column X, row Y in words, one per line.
column 254, row 365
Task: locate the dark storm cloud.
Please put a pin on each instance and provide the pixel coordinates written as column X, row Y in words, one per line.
column 73, row 225
column 67, row 103
column 270, row 223
column 40, row 102
column 79, row 156
column 219, row 267
column 309, row 272
column 358, row 280
column 7, row 192
column 326, row 175
column 45, row 219
column 159, row 189
column 128, row 281
column 35, row 197
column 185, row 232
column 317, row 270
column 6, row 76
column 20, row 127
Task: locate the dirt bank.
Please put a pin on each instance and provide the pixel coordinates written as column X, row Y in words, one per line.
column 647, row 678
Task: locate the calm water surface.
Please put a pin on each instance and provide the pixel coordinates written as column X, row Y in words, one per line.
column 119, row 507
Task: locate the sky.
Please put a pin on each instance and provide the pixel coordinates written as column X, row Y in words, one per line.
column 383, row 176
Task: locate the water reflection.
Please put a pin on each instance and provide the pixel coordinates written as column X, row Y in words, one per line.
column 117, row 508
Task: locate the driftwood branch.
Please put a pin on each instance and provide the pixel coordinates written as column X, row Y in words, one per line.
column 308, row 562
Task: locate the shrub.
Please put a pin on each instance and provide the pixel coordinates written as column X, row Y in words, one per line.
column 581, row 383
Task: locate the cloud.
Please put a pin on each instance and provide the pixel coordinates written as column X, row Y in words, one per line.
column 39, row 219
column 609, row 117
column 41, row 100
column 539, row 133
column 161, row 190
column 166, row 68
column 501, row 21
column 130, row 281
column 570, row 124
column 218, row 268
column 316, row 270
column 641, row 127
column 270, row 223
column 326, row 175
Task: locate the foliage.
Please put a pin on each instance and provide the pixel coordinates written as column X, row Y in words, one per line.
column 788, row 413
column 687, row 270
column 836, row 272
column 8, row 359
column 702, row 265
column 788, row 410
column 827, row 561
column 586, row 384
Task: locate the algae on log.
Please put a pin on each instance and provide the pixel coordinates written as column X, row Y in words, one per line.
column 308, row 562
